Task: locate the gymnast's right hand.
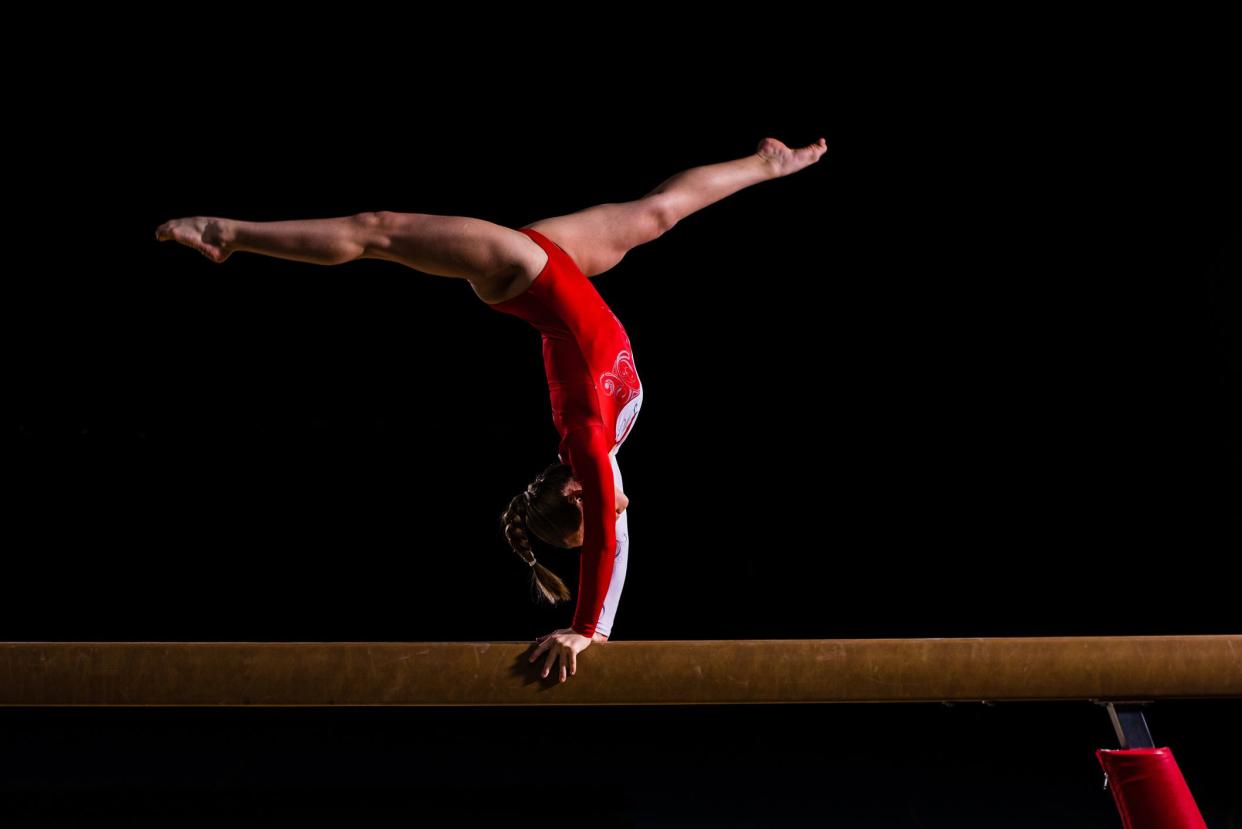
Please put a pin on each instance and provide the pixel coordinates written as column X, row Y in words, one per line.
column 562, row 645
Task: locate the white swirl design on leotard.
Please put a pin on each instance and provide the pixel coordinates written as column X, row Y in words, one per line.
column 627, row 415
column 622, row 383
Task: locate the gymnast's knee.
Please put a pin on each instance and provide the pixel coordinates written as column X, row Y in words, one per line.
column 664, row 213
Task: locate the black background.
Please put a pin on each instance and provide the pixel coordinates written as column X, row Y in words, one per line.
column 975, row 373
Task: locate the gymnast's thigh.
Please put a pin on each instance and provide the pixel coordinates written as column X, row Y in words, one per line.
column 598, row 237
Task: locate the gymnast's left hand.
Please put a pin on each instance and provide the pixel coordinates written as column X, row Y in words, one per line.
column 563, row 646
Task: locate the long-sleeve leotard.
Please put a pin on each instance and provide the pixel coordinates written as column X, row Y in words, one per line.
column 595, row 396
column 605, row 535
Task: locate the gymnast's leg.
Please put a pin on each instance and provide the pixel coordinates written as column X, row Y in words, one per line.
column 453, row 246
column 597, row 237
column 693, row 189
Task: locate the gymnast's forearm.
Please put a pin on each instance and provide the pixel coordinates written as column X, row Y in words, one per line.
column 612, row 599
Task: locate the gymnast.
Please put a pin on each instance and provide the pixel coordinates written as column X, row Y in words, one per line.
column 540, row 274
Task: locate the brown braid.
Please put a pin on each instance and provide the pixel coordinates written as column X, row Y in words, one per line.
column 542, row 510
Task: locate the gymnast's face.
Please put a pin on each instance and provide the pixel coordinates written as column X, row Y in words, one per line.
column 573, row 491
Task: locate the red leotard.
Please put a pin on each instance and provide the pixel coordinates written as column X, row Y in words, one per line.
column 595, row 394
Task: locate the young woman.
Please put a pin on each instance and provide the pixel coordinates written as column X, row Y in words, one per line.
column 539, row 273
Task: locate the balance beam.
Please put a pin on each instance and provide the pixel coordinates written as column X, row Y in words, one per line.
column 676, row 672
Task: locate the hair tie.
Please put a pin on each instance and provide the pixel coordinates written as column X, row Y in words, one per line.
column 532, row 561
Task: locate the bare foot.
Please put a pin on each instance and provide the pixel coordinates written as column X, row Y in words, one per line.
column 208, row 235
column 784, row 160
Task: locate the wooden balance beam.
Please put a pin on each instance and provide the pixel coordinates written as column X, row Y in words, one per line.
column 676, row 672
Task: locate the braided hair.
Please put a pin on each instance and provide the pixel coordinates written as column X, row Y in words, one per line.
column 542, row 509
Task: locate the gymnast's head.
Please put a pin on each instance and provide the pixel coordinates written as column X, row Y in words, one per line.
column 551, row 509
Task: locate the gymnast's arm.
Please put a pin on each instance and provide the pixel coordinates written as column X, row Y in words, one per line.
column 613, row 599
column 609, row 612
column 588, row 456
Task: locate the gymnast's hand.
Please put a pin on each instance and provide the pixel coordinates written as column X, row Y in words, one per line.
column 563, row 644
